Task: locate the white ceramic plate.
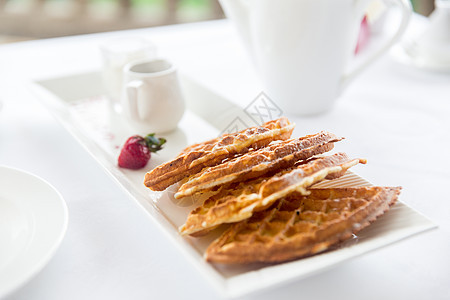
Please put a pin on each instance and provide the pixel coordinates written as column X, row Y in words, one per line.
column 409, row 54
column 33, row 221
column 77, row 102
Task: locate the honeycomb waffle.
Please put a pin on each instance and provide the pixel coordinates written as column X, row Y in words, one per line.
column 196, row 157
column 276, row 156
column 299, row 225
column 237, row 202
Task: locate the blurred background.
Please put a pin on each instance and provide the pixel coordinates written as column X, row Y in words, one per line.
column 34, row 19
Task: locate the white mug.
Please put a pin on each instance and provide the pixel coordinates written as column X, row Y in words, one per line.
column 301, row 48
column 152, row 100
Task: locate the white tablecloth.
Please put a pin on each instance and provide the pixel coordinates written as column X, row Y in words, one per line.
column 395, row 116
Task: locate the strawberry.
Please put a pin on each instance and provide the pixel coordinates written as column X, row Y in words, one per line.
column 136, row 151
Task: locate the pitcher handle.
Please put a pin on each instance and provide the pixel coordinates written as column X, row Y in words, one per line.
column 132, row 89
column 406, row 10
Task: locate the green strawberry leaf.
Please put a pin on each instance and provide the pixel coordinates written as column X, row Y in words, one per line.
column 154, row 144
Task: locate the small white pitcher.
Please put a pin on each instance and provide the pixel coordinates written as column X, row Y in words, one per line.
column 152, row 100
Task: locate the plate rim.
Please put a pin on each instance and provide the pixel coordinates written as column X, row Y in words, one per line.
column 52, row 246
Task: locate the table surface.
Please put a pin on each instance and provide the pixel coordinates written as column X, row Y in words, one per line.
column 396, row 116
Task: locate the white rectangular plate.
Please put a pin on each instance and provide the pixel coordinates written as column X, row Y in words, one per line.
column 78, row 103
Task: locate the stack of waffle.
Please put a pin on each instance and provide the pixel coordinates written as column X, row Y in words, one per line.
column 260, row 180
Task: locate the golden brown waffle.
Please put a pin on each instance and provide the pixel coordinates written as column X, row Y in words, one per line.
column 210, row 153
column 236, row 202
column 276, row 156
column 299, row 225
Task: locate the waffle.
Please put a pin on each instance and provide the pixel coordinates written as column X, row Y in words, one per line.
column 196, row 157
column 299, row 225
column 238, row 202
column 276, row 156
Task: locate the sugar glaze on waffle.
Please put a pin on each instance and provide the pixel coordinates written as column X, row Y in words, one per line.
column 277, row 156
column 238, row 202
column 210, row 153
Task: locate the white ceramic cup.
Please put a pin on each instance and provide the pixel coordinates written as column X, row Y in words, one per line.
column 152, row 100
column 301, row 48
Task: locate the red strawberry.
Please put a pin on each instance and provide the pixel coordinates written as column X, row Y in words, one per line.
column 136, row 151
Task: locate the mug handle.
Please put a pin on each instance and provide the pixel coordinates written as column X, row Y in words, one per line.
column 406, row 10
column 132, row 89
